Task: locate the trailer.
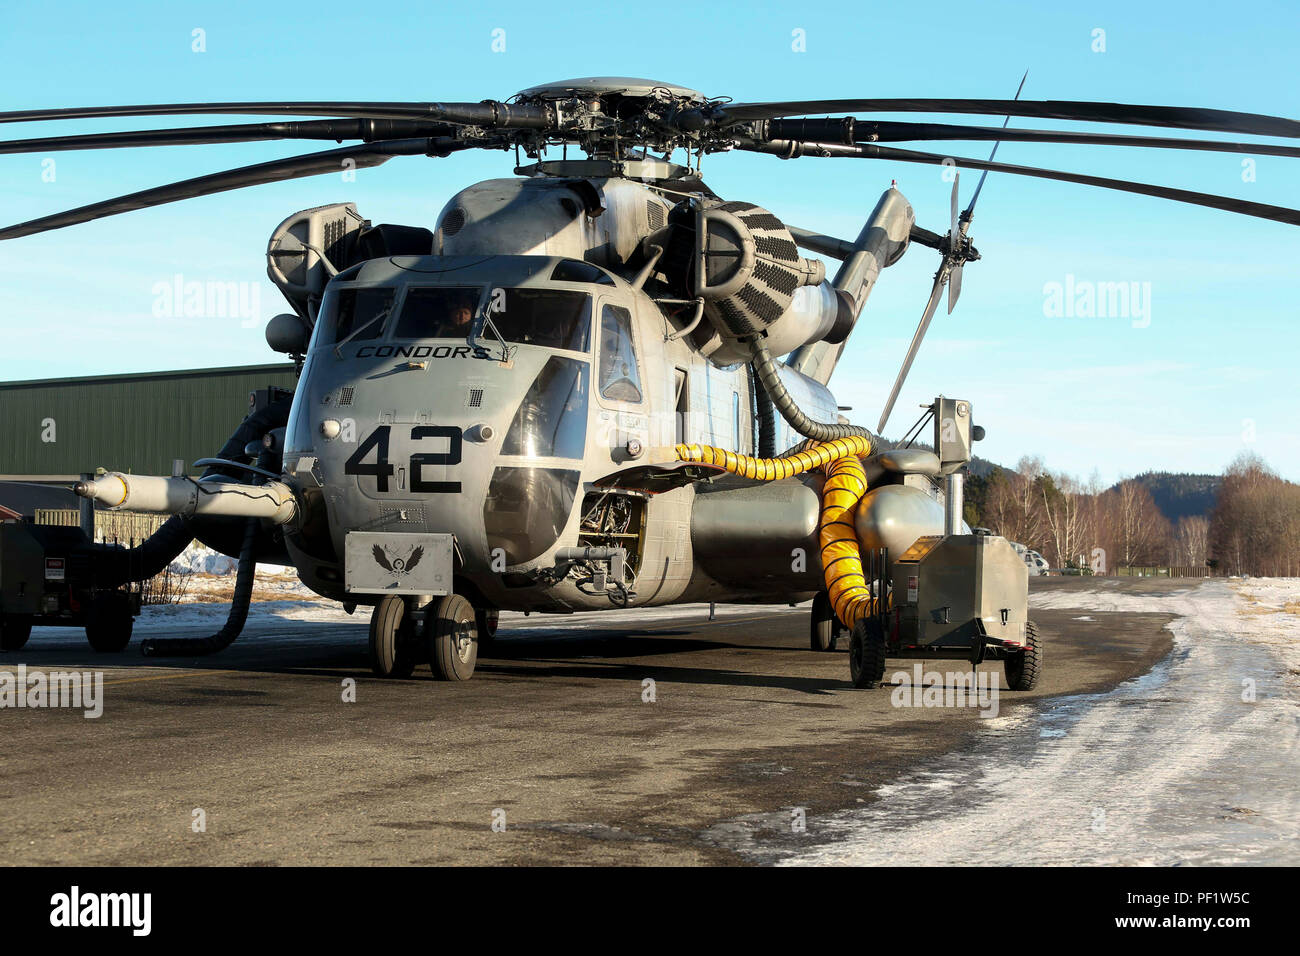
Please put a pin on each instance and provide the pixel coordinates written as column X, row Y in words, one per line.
column 950, row 596
column 47, row 580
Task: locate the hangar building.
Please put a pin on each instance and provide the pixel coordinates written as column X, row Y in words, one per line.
column 53, row 430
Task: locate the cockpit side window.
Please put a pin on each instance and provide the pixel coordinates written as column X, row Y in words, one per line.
column 438, row 312
column 620, row 381
column 358, row 313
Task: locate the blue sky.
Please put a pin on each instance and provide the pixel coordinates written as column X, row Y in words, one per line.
column 1209, row 373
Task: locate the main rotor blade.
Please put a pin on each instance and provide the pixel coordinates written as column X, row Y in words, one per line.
column 872, row 132
column 369, row 130
column 488, row 114
column 293, row 167
column 939, row 278
column 788, row 149
column 970, row 210
column 1178, row 117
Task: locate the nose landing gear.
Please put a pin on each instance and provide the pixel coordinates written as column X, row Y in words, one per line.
column 447, row 637
column 393, row 647
column 453, row 639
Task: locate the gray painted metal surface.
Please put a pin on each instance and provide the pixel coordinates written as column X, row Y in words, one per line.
column 943, row 585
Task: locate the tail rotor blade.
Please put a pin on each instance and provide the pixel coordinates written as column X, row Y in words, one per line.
column 940, row 277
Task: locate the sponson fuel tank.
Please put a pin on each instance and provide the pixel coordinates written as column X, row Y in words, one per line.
column 747, row 535
column 751, row 536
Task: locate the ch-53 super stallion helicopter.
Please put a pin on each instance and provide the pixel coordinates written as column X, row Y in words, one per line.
column 583, row 388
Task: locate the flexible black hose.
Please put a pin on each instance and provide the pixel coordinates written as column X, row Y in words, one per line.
column 766, row 370
column 251, row 429
column 198, row 646
column 766, row 415
column 114, row 566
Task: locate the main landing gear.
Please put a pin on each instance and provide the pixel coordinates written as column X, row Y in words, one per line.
column 445, row 632
column 824, row 629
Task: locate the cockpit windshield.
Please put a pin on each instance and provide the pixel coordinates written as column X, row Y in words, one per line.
column 551, row 318
column 357, row 313
column 438, row 312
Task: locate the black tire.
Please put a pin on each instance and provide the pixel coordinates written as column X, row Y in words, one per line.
column 110, row 622
column 14, row 632
column 453, row 638
column 1023, row 667
column 824, row 627
column 867, row 653
column 392, row 653
column 487, row 620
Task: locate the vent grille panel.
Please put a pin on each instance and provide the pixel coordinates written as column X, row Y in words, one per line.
column 454, row 222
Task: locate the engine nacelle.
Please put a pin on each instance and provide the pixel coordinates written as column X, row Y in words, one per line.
column 743, row 262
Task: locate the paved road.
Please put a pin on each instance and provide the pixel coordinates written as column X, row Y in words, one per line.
column 553, row 735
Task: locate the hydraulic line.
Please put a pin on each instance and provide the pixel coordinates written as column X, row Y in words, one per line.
column 770, row 378
column 846, row 483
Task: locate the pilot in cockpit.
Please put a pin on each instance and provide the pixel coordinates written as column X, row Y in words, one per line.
column 460, row 321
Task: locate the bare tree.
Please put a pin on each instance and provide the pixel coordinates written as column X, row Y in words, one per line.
column 1065, row 514
column 1191, row 541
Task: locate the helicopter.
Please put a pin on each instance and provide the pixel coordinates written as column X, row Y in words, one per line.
column 596, row 384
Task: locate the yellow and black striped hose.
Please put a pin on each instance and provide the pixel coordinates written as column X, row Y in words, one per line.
column 774, row 469
column 846, row 483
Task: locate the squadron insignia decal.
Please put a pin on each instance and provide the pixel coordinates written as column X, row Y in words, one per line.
column 398, row 566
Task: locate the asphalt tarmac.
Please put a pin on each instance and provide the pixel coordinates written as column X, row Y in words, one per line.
column 635, row 737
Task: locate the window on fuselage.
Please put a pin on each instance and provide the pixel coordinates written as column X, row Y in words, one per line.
column 438, row 312
column 619, row 379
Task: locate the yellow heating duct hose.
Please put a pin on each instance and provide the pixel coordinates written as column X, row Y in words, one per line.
column 774, row 469
column 846, row 483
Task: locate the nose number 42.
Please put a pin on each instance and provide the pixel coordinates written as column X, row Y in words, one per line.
column 381, row 469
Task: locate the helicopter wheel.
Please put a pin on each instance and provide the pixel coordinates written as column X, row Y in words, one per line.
column 486, row 620
column 453, row 641
column 824, row 628
column 392, row 653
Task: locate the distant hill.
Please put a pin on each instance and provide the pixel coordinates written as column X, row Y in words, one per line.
column 1181, row 495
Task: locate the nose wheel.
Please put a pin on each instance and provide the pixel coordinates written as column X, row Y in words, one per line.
column 392, row 639
column 453, row 638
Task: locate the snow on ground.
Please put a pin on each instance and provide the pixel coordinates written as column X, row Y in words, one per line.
column 1196, row 762
column 278, row 595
